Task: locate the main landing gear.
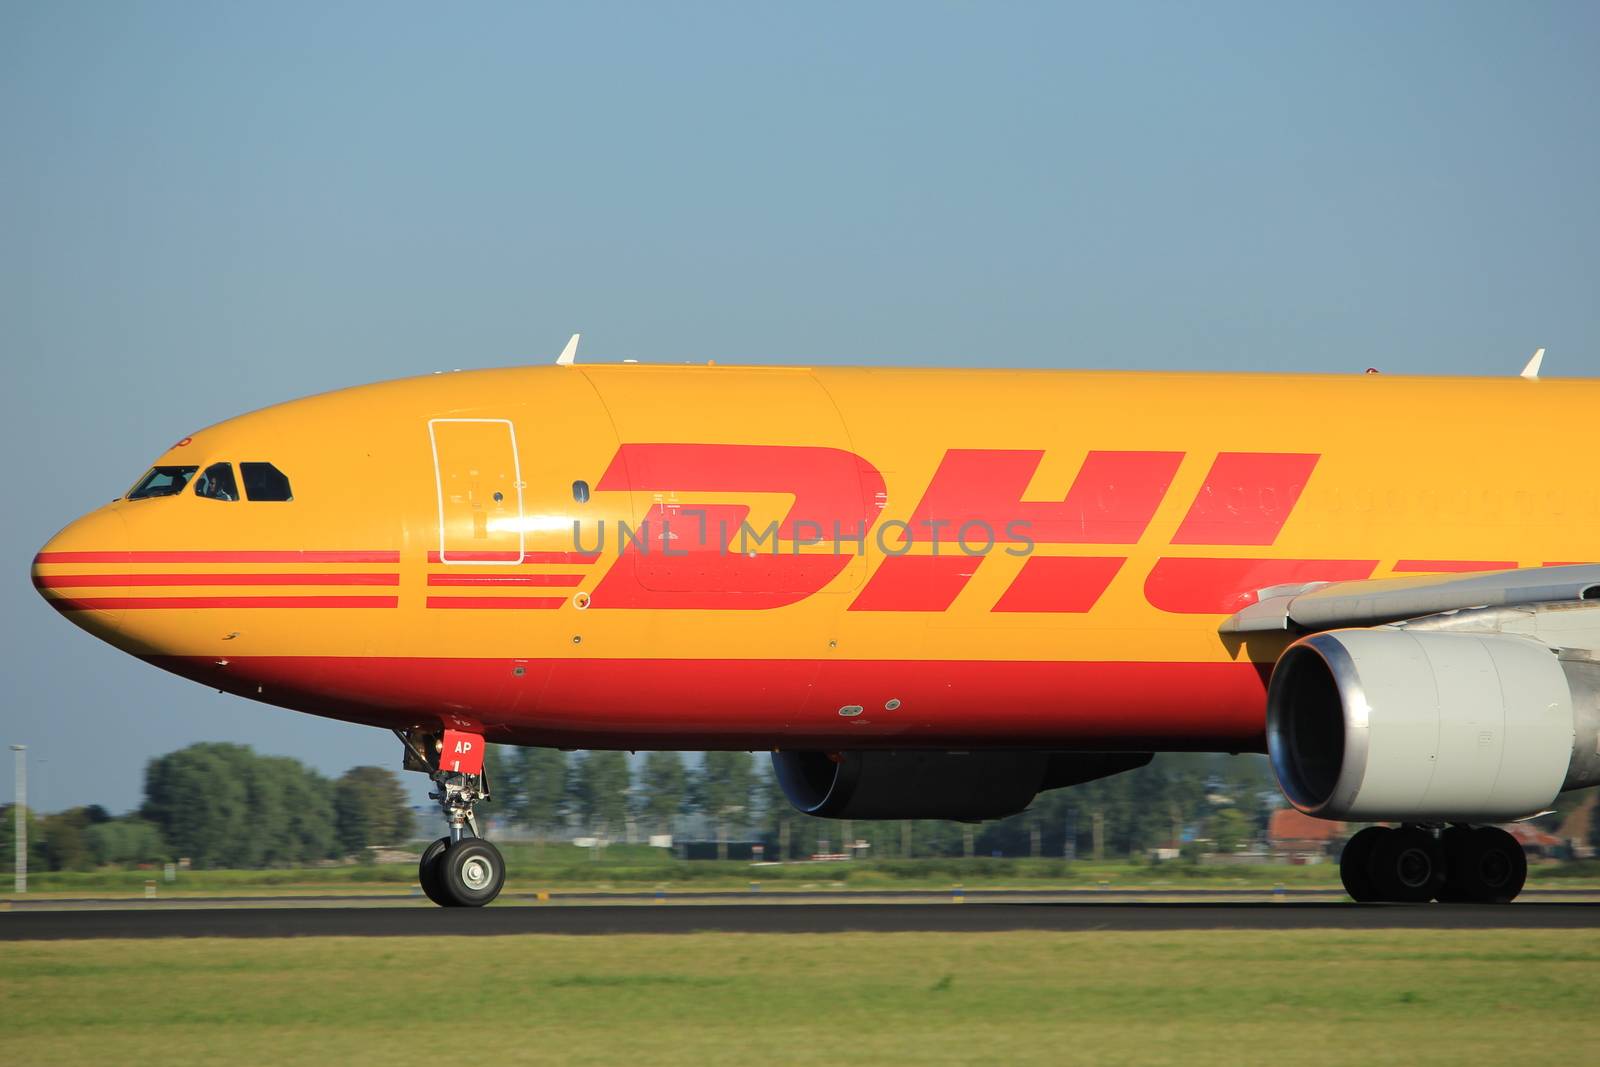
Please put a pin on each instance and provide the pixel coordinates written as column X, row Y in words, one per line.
column 1415, row 864
column 460, row 870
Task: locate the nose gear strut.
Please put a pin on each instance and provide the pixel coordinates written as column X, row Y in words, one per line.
column 461, row 869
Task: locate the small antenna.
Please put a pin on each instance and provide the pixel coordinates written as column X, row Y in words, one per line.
column 569, row 354
column 1531, row 371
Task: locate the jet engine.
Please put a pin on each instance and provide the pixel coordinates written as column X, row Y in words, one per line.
column 1386, row 724
column 969, row 786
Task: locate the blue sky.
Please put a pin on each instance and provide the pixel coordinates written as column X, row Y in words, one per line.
column 205, row 208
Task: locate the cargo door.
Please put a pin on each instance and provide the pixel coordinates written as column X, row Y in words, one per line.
column 480, row 490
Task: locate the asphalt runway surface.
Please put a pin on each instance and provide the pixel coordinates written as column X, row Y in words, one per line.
column 591, row 919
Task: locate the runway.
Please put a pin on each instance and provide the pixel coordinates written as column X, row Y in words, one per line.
column 688, row 897
column 669, row 919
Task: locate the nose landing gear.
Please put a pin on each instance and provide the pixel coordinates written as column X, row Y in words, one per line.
column 460, row 870
column 1413, row 864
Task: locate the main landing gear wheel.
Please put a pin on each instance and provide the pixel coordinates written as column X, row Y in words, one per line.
column 1486, row 865
column 1407, row 866
column 471, row 872
column 428, row 872
column 1482, row 864
column 1355, row 864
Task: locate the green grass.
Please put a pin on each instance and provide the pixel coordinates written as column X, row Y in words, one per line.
column 633, row 868
column 1196, row 998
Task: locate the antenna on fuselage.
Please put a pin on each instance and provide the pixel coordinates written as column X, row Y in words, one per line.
column 1531, row 371
column 569, row 354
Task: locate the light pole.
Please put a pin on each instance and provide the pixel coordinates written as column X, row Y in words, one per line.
column 22, row 817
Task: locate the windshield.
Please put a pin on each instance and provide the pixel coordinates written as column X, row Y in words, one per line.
column 217, row 483
column 162, row 481
column 263, row 481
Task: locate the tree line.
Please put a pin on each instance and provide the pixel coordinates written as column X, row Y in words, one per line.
column 224, row 805
column 1220, row 800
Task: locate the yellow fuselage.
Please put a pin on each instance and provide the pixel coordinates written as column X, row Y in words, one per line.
column 769, row 575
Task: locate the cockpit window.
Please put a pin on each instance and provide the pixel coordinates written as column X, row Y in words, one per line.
column 263, row 481
column 162, row 481
column 217, row 483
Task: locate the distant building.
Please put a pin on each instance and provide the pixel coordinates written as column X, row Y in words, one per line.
column 1302, row 839
column 1577, row 829
column 1536, row 842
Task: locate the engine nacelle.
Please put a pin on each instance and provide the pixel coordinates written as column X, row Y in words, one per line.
column 1390, row 725
column 969, row 786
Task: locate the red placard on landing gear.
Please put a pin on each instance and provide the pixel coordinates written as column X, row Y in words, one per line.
column 462, row 752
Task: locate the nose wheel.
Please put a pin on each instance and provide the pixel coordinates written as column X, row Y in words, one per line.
column 461, row 869
column 428, row 873
column 462, row 874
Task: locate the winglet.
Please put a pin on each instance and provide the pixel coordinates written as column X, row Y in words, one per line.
column 1531, row 371
column 570, row 353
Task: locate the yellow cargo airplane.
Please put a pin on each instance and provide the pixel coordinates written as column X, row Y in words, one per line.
column 929, row 593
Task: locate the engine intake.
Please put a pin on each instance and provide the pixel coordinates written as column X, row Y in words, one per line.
column 969, row 786
column 1389, row 725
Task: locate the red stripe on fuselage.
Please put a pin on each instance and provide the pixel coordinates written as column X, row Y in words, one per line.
column 220, row 556
column 67, row 581
column 171, row 603
column 765, row 703
column 548, row 603
column 505, row 579
column 514, row 557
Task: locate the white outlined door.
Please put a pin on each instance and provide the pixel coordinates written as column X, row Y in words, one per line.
column 480, row 490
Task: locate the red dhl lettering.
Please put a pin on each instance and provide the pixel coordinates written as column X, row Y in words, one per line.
column 685, row 557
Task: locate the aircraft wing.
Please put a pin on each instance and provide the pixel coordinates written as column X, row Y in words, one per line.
column 1330, row 605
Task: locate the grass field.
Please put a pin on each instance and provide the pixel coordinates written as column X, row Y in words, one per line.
column 565, row 867
column 1307, row 997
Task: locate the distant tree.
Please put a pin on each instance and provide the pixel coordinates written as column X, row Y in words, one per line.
column 201, row 802
column 273, row 789
column 1184, row 795
column 664, row 783
column 724, row 788
column 777, row 814
column 8, row 841
column 541, row 776
column 222, row 805
column 1230, row 828
column 600, row 791
column 1254, row 788
column 1131, row 812
column 500, row 767
column 312, row 827
column 126, row 842
column 791, row 833
column 63, row 836
column 1101, row 802
column 370, row 809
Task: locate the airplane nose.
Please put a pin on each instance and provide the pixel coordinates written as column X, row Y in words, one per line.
column 76, row 571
